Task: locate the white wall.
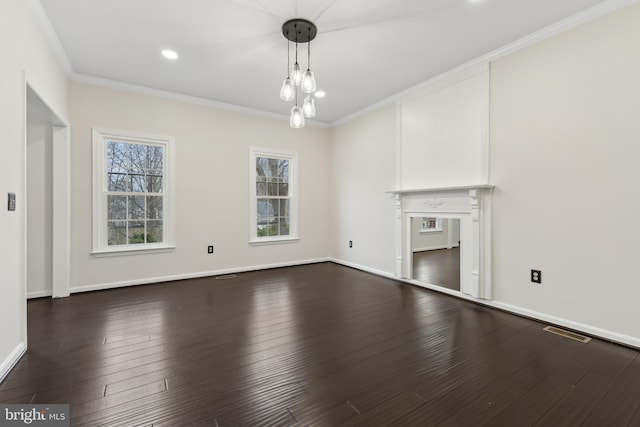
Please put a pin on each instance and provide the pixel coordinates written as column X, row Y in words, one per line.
column 565, row 128
column 362, row 170
column 444, row 133
column 25, row 51
column 448, row 237
column 427, row 241
column 212, row 183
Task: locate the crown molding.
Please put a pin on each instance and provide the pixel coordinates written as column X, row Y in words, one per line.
column 173, row 96
column 50, row 35
column 587, row 15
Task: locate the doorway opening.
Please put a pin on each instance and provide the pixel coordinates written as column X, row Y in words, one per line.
column 47, row 200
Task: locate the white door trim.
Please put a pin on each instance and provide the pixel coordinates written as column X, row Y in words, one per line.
column 61, row 212
column 61, row 189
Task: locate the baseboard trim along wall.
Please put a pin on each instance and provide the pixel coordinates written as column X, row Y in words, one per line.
column 363, row 268
column 520, row 311
column 11, row 361
column 430, row 248
column 147, row 281
column 38, row 294
column 569, row 324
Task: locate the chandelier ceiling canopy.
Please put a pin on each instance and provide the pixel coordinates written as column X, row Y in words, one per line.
column 299, row 30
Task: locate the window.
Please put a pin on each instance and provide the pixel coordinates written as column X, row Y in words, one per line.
column 132, row 192
column 273, row 196
column 431, row 224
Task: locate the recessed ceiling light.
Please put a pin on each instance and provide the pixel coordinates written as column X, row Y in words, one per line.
column 169, row 54
column 320, row 94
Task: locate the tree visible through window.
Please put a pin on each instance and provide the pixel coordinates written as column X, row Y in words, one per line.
column 273, row 204
column 273, row 197
column 132, row 192
column 134, row 199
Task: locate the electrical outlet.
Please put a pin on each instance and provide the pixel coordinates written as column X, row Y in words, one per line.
column 536, row 276
column 350, row 243
column 210, row 249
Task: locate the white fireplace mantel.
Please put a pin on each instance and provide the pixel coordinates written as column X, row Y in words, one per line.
column 472, row 205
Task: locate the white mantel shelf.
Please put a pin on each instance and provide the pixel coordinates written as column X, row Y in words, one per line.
column 443, row 189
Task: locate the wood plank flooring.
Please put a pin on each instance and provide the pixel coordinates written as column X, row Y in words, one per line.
column 321, row 345
column 439, row 267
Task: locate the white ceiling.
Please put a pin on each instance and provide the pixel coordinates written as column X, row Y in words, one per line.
column 233, row 51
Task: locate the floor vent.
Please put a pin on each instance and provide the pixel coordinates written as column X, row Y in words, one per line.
column 567, row 334
column 226, row 276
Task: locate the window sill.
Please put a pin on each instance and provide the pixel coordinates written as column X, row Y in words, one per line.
column 273, row 241
column 430, row 231
column 100, row 253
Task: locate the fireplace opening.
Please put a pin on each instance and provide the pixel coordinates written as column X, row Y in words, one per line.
column 435, row 247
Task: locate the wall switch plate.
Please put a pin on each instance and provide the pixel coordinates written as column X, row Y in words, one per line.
column 210, row 249
column 536, row 276
column 11, row 201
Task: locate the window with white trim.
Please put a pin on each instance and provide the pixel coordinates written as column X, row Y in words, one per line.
column 132, row 192
column 273, row 204
column 431, row 224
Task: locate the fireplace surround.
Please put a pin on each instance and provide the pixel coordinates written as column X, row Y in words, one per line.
column 472, row 206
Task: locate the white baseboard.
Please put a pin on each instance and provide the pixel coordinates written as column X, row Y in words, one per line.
column 38, row 294
column 363, row 268
column 542, row 317
column 570, row 324
column 441, row 289
column 430, row 248
column 149, row 280
column 8, row 364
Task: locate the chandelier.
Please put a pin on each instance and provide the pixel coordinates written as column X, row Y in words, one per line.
column 299, row 31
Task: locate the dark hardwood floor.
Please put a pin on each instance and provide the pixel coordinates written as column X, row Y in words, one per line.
column 438, row 267
column 319, row 345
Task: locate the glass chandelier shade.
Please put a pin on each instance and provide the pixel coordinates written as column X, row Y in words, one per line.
column 296, row 74
column 309, row 107
column 297, row 118
column 288, row 90
column 299, row 31
column 308, row 84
